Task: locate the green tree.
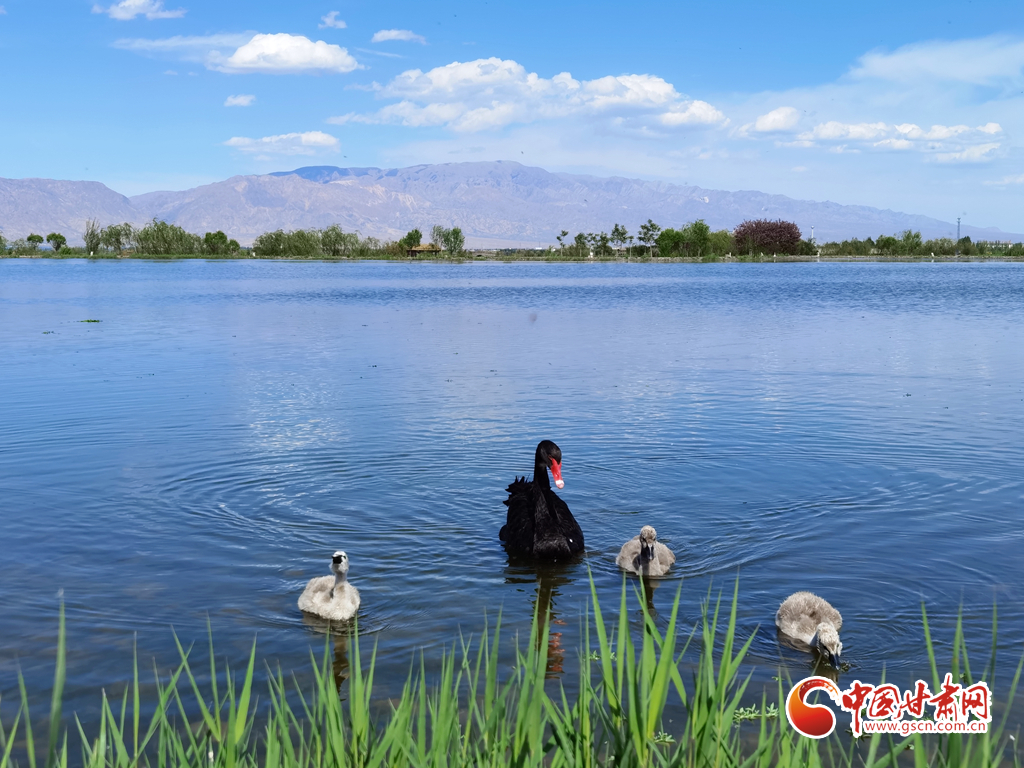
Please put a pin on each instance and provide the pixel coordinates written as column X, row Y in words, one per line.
column 270, row 244
column 412, row 238
column 581, row 246
column 215, row 243
column 92, row 236
column 619, row 235
column 305, row 243
column 117, row 237
column 887, row 245
column 561, row 237
column 3, row 243
column 944, row 246
column 454, row 242
column 437, row 236
column 56, row 241
column 698, row 238
column 720, row 242
column 649, row 235
column 910, row 243
column 337, row 243
column 158, row 238
column 671, row 242
column 34, row 241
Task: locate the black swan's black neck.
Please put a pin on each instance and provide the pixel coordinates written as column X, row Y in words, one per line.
column 540, row 472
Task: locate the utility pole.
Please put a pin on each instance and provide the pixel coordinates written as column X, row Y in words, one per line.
column 957, row 235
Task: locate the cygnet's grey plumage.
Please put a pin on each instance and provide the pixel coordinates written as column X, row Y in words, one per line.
column 331, row 597
column 812, row 620
column 644, row 555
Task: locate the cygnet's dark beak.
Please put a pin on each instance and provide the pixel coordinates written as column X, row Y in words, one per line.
column 833, row 659
column 646, row 552
column 336, row 560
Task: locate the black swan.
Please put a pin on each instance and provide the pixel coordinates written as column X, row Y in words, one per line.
column 539, row 523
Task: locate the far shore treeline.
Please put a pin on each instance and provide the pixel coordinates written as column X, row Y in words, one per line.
column 752, row 240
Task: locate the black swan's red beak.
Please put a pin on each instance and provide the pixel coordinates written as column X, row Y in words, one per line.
column 556, row 472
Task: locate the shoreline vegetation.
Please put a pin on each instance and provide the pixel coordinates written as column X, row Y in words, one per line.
column 635, row 672
column 752, row 241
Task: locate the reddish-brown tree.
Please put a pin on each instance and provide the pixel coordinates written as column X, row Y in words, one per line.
column 764, row 236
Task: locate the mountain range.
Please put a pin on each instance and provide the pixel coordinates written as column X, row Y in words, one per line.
column 497, row 205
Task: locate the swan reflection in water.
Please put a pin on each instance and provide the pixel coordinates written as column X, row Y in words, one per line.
column 339, row 632
column 549, row 578
column 819, row 663
column 647, row 586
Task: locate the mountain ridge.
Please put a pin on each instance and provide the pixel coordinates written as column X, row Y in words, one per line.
column 497, row 204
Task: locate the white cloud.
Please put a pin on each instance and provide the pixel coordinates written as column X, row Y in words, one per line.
column 946, row 143
column 309, row 143
column 241, row 100
column 201, row 48
column 332, row 21
column 493, row 93
column 834, row 130
column 979, row 61
column 990, row 128
column 378, row 52
column 170, row 72
column 129, row 9
column 894, row 144
column 781, row 119
column 1006, row 180
column 286, row 54
column 696, row 112
column 397, row 34
column 941, row 132
column 980, row 153
column 3, row 11
column 248, row 52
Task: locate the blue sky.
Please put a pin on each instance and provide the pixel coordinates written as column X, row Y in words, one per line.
column 912, row 106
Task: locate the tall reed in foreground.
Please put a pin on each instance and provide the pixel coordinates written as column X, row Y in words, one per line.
column 467, row 714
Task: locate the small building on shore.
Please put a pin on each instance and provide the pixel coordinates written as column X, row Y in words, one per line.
column 427, row 249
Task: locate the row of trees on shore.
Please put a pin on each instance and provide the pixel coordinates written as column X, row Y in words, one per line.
column 910, row 243
column 158, row 238
column 334, row 243
column 696, row 240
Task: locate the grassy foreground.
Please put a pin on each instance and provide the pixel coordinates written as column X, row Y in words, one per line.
column 469, row 715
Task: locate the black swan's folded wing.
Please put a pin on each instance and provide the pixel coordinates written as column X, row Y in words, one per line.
column 567, row 524
column 517, row 532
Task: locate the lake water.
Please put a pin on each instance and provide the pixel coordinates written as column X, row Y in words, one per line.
column 854, row 429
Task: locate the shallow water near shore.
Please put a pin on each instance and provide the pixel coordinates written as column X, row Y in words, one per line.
column 198, row 454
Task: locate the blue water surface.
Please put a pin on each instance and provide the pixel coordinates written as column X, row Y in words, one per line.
column 198, row 454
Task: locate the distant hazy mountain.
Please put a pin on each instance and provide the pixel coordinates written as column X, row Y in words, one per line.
column 497, row 204
column 45, row 205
